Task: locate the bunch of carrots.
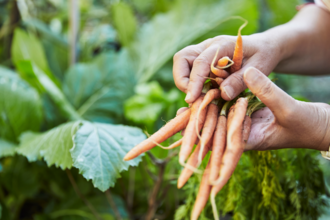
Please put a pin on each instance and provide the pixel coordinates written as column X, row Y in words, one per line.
column 217, row 126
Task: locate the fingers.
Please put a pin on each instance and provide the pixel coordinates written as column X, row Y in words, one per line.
column 181, row 110
column 234, row 84
column 182, row 63
column 201, row 67
column 280, row 103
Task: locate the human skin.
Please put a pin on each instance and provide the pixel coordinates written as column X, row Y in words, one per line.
column 301, row 46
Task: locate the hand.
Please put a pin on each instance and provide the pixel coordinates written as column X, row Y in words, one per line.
column 192, row 64
column 286, row 122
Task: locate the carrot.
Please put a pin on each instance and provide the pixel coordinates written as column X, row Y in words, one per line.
column 203, row 194
column 171, row 128
column 234, row 149
column 222, row 64
column 190, row 136
column 235, row 145
column 208, row 129
column 192, row 162
column 238, row 53
column 219, row 144
column 216, row 80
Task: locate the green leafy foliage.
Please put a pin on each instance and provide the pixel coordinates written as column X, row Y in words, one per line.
column 263, row 182
column 98, row 89
column 124, row 22
column 53, row 146
column 20, row 106
column 149, row 102
column 27, row 47
column 186, row 22
column 55, row 46
column 127, row 82
column 282, row 10
column 7, row 148
column 99, row 150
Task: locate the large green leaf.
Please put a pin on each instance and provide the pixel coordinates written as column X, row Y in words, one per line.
column 159, row 39
column 53, row 146
column 20, row 106
column 99, row 89
column 124, row 22
column 7, row 148
column 99, row 150
column 56, row 46
column 27, row 47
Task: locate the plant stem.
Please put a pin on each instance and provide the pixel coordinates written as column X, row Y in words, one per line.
column 152, row 201
column 82, row 197
column 14, row 18
column 73, row 30
column 56, row 95
column 131, row 186
column 113, row 204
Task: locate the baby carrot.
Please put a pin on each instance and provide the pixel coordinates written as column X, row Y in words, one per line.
column 192, row 163
column 171, row 128
column 203, row 194
column 219, row 144
column 222, row 64
column 190, row 136
column 238, row 53
column 234, row 149
column 208, row 129
column 235, row 144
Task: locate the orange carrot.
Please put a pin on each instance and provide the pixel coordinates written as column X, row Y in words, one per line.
column 219, row 144
column 222, row 64
column 238, row 53
column 171, row 128
column 190, row 136
column 216, row 81
column 208, row 129
column 234, row 149
column 192, row 162
column 235, row 144
column 203, row 194
column 223, row 61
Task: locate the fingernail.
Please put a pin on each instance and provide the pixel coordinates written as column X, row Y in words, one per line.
column 229, row 91
column 188, row 96
column 250, row 74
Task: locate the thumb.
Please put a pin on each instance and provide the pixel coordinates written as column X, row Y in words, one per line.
column 272, row 96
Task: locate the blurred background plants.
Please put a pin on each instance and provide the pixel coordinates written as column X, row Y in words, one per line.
column 73, row 71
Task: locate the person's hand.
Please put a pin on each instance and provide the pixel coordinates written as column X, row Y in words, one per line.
column 286, row 122
column 192, row 64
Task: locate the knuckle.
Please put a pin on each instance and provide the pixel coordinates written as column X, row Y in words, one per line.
column 201, row 60
column 266, row 89
column 238, row 80
column 180, row 85
column 177, row 55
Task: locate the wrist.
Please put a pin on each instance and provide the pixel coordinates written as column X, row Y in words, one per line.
column 325, row 143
